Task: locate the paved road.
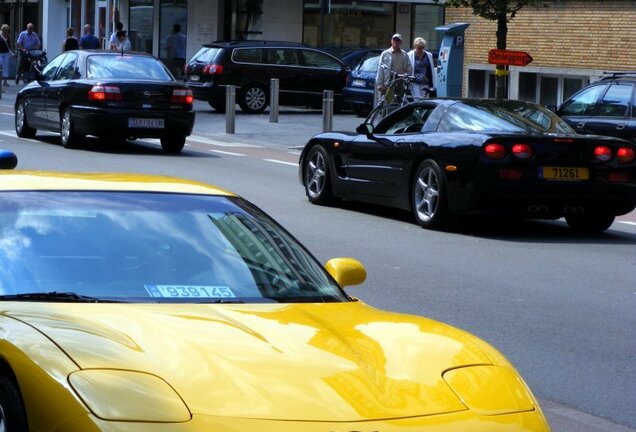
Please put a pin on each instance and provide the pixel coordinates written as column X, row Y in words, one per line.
column 561, row 307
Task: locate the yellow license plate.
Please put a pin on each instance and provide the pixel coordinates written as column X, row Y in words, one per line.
column 564, row 173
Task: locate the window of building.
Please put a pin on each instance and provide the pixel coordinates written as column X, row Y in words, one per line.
column 476, row 83
column 528, row 87
column 243, row 20
column 140, row 24
column 171, row 12
column 547, row 89
column 424, row 20
column 340, row 25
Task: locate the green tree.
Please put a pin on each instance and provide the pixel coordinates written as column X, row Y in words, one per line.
column 502, row 11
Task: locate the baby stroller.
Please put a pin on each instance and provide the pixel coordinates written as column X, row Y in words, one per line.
column 34, row 61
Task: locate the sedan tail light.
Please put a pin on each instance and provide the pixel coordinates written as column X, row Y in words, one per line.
column 212, row 69
column 602, row 153
column 182, row 96
column 625, row 155
column 104, row 93
column 495, row 151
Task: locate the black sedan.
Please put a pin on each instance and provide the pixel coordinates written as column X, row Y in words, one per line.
column 441, row 157
column 106, row 94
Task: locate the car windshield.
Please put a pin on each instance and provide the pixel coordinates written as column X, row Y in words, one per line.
column 502, row 116
column 151, row 247
column 126, row 66
column 206, row 55
column 370, row 64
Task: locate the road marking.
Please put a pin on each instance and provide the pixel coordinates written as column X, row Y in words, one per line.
column 226, row 152
column 282, row 162
column 628, row 223
column 10, row 134
column 220, row 143
column 8, row 114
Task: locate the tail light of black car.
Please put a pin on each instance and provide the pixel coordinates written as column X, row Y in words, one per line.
column 496, row 151
column 102, row 93
column 624, row 155
column 213, row 69
column 182, row 96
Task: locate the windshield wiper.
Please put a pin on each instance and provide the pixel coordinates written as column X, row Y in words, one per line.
column 52, row 296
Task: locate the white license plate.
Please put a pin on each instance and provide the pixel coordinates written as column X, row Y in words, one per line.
column 194, row 77
column 145, row 123
column 358, row 83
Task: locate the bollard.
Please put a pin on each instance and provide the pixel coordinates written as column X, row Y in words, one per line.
column 327, row 110
column 230, row 108
column 274, row 86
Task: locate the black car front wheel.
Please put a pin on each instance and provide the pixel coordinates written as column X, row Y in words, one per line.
column 429, row 197
column 590, row 223
column 68, row 137
column 316, row 176
column 22, row 128
column 12, row 413
column 172, row 144
column 253, row 98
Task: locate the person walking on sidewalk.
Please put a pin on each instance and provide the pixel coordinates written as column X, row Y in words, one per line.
column 394, row 59
column 423, row 69
column 27, row 40
column 176, row 51
column 70, row 43
column 89, row 40
column 5, row 52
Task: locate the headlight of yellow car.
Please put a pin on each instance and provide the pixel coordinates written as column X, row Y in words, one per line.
column 120, row 395
column 490, row 390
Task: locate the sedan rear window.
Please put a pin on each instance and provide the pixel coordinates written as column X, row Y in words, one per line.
column 370, row 64
column 126, row 66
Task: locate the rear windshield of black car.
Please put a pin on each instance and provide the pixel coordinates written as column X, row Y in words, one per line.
column 127, row 67
column 206, row 55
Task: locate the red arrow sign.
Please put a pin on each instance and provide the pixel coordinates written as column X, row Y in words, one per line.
column 510, row 58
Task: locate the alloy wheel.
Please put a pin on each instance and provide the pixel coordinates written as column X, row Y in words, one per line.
column 66, row 126
column 255, row 98
column 315, row 175
column 3, row 423
column 426, row 194
column 19, row 121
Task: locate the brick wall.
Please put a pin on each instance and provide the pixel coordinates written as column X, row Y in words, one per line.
column 585, row 34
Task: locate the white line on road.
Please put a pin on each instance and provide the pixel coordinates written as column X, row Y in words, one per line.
column 7, row 114
column 10, row 134
column 226, row 152
column 282, row 162
column 628, row 223
column 205, row 140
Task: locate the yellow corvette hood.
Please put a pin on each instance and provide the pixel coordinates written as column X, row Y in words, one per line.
column 335, row 362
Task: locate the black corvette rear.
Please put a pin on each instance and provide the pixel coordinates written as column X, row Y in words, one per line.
column 443, row 157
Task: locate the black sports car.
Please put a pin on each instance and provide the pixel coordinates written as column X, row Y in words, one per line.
column 443, row 157
column 106, row 94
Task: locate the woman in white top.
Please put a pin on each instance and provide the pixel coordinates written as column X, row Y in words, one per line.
column 423, row 69
column 122, row 44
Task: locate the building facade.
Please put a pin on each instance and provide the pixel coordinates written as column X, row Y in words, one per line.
column 572, row 42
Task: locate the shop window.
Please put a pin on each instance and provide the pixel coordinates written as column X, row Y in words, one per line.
column 571, row 86
column 140, row 24
column 549, row 91
column 528, row 87
column 243, row 19
column 340, row 25
column 476, row 83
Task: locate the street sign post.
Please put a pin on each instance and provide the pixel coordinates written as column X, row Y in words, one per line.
column 509, row 58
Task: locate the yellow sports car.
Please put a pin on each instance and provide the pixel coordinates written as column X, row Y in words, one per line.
column 144, row 303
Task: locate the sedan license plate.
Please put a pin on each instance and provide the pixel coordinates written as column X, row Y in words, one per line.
column 358, row 83
column 145, row 123
column 564, row 173
column 194, row 77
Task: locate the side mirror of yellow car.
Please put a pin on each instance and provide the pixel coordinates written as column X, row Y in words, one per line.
column 346, row 271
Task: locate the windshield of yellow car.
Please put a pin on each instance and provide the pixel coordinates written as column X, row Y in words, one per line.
column 151, row 247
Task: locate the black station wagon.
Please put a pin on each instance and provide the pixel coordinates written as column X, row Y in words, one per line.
column 605, row 107
column 304, row 73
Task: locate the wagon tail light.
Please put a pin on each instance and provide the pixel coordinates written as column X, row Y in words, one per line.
column 212, row 69
column 181, row 96
column 104, row 93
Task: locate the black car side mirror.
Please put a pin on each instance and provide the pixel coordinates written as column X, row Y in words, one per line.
column 365, row 129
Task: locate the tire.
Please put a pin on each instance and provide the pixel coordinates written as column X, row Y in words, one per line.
column 22, row 128
column 217, row 106
column 592, row 223
column 68, row 137
column 316, row 177
column 253, row 98
column 12, row 412
column 172, row 144
column 429, row 199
